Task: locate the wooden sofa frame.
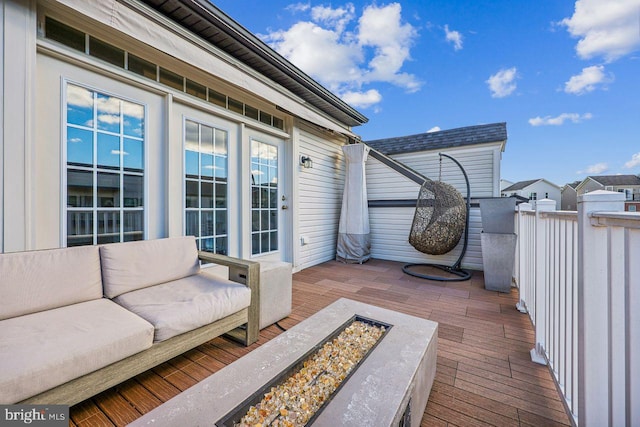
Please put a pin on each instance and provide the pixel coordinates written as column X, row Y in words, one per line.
column 240, row 271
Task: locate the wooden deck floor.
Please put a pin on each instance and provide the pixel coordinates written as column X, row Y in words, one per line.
column 484, row 373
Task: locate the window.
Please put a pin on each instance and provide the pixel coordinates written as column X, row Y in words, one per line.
column 632, row 208
column 88, row 44
column 206, row 206
column 628, row 193
column 104, row 168
column 546, row 195
column 533, row 196
column 264, row 198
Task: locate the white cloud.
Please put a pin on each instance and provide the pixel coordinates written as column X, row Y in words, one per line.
column 434, row 129
column 362, row 99
column 454, row 37
column 605, row 28
column 596, row 169
column 298, row 7
column 502, row 83
column 635, row 161
column 587, row 80
column 335, row 18
column 559, row 120
column 363, row 51
column 109, row 119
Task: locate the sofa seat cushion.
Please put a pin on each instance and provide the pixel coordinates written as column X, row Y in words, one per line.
column 131, row 266
column 182, row 305
column 42, row 350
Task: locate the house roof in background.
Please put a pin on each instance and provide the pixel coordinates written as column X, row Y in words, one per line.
column 574, row 184
column 459, row 137
column 521, row 184
column 213, row 25
column 615, row 180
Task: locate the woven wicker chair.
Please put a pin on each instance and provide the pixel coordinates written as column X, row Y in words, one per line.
column 440, row 219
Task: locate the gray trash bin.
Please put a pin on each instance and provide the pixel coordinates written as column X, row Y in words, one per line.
column 498, row 242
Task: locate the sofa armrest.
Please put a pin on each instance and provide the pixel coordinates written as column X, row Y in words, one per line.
column 247, row 273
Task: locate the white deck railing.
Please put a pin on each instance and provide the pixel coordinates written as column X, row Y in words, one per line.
column 579, row 280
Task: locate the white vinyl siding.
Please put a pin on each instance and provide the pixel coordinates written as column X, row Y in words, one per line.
column 319, row 198
column 390, row 226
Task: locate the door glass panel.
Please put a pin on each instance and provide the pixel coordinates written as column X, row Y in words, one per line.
column 205, row 186
column 264, row 198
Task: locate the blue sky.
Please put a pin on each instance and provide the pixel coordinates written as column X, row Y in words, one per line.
column 563, row 75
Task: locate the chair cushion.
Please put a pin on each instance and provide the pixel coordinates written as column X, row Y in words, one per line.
column 183, row 305
column 130, row 266
column 40, row 280
column 42, row 350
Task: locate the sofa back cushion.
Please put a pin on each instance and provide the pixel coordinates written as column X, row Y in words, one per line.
column 40, row 280
column 130, row 266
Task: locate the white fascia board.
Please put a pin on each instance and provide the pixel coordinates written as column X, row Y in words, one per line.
column 152, row 28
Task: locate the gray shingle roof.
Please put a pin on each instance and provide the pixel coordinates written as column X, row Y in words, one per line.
column 574, row 184
column 470, row 135
column 521, row 184
column 614, row 180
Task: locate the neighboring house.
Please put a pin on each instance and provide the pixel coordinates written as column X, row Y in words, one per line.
column 533, row 190
column 126, row 120
column 569, row 196
column 504, row 183
column 627, row 184
column 392, row 196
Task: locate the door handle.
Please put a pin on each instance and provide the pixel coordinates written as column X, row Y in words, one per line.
column 285, row 207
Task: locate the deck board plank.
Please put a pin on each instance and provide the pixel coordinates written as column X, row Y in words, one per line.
column 484, row 374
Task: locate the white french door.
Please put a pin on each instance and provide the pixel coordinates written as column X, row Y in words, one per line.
column 269, row 203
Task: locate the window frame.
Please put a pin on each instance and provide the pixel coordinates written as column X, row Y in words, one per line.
column 121, row 171
column 199, row 209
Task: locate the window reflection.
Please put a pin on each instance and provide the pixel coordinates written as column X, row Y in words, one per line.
column 133, row 154
column 264, row 197
column 205, row 185
column 79, row 146
column 105, row 181
column 79, row 189
column 108, row 151
column 79, row 106
column 108, row 190
column 108, row 113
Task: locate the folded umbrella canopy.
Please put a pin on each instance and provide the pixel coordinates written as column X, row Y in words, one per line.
column 354, row 239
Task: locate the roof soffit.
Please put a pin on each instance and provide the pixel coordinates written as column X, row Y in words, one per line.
column 211, row 24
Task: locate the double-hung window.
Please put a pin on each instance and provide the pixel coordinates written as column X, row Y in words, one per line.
column 105, row 143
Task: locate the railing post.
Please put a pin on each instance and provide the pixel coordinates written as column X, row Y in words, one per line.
column 541, row 265
column 522, row 258
column 594, row 317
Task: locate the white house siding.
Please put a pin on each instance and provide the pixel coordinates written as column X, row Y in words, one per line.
column 390, row 226
column 318, row 197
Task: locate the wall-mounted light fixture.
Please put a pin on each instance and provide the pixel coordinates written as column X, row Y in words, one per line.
column 306, row 162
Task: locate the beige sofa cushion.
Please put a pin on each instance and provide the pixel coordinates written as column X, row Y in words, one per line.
column 180, row 306
column 130, row 266
column 42, row 350
column 39, row 280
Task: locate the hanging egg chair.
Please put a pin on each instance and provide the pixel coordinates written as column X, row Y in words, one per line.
column 440, row 219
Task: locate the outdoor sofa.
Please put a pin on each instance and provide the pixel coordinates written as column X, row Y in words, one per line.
column 77, row 321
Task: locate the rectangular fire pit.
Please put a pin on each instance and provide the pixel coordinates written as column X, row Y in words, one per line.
column 390, row 387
